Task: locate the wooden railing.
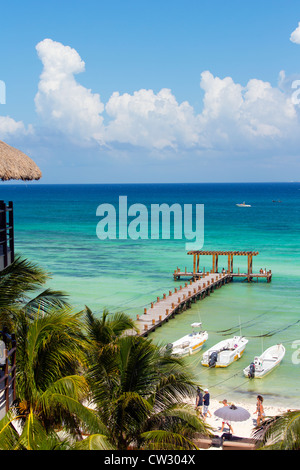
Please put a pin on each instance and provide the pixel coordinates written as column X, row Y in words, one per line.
column 8, row 373
column 6, row 234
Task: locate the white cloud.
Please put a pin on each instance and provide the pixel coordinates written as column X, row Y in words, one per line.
column 237, row 116
column 62, row 102
column 151, row 120
column 9, row 127
column 233, row 116
column 295, row 36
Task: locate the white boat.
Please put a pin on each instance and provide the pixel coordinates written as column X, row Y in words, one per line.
column 189, row 344
column 243, row 205
column 225, row 352
column 266, row 362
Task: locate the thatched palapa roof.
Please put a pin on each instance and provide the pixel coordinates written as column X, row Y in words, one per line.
column 15, row 165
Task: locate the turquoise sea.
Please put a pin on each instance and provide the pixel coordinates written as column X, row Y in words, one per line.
column 55, row 226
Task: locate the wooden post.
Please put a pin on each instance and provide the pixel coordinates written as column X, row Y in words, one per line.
column 216, row 263
column 198, row 258
column 6, row 381
column 194, row 263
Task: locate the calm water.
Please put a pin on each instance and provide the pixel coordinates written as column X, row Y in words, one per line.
column 55, row 226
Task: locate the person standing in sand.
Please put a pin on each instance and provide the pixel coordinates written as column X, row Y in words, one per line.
column 259, row 410
column 226, row 422
column 206, row 404
column 199, row 402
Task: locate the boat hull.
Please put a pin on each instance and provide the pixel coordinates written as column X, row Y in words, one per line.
column 227, row 353
column 220, row 365
column 267, row 362
column 195, row 346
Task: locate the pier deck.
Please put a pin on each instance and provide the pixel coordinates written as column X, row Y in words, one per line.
column 197, row 286
column 175, row 302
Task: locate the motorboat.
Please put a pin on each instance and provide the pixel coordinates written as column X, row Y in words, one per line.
column 225, row 352
column 189, row 344
column 266, row 362
column 243, row 204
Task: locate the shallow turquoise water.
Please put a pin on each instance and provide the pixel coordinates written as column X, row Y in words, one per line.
column 55, row 226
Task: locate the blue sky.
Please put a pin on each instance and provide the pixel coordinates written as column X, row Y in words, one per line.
column 167, row 91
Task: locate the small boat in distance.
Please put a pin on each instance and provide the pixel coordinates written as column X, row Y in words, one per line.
column 225, row 352
column 243, row 205
column 266, row 362
column 188, row 344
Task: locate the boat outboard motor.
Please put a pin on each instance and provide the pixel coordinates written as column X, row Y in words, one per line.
column 169, row 347
column 213, row 359
column 251, row 373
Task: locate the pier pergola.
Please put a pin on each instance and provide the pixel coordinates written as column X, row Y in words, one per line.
column 215, row 258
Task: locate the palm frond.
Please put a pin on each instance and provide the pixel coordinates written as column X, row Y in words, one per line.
column 47, row 300
column 166, row 440
column 281, row 432
column 94, row 442
column 8, row 434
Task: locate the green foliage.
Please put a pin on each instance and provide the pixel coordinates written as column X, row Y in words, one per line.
column 139, row 392
column 136, row 391
column 281, row 432
column 16, row 282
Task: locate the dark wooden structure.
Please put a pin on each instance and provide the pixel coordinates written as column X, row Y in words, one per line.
column 6, row 234
column 230, row 255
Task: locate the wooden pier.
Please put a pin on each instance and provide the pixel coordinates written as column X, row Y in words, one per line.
column 165, row 308
column 198, row 286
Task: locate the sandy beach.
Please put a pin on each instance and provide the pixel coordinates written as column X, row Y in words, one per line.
column 240, row 429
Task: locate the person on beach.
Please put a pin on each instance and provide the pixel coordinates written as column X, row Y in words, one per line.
column 199, row 402
column 259, row 410
column 226, row 422
column 206, row 404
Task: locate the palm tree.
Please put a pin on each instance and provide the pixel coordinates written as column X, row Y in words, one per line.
column 140, row 392
column 49, row 391
column 281, row 432
column 104, row 332
column 16, row 282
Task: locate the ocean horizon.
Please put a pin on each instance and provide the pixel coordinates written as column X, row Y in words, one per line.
column 56, row 227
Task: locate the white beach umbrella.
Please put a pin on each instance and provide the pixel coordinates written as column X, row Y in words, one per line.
column 232, row 413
